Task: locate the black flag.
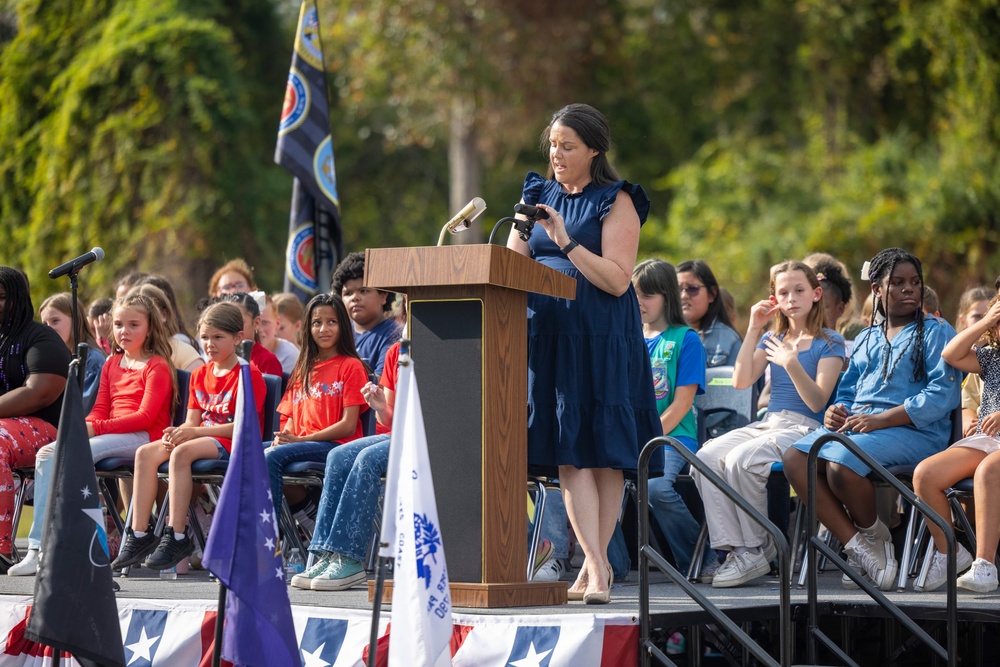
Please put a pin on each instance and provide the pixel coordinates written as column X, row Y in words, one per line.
column 75, row 608
column 305, row 149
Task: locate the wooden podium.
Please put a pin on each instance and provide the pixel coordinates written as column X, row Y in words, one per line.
column 467, row 323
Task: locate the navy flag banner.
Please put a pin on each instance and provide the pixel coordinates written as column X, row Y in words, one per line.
column 75, row 608
column 305, row 149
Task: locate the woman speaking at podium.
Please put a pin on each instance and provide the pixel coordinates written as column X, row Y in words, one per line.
column 590, row 390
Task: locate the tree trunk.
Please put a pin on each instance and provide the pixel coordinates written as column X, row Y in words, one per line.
column 464, row 165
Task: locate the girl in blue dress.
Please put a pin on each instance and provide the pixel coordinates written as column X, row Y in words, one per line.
column 894, row 401
column 590, row 408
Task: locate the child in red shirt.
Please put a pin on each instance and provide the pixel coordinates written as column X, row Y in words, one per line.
column 323, row 402
column 206, row 434
column 134, row 402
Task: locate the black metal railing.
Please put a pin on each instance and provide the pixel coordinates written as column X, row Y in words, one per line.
column 647, row 555
column 814, row 544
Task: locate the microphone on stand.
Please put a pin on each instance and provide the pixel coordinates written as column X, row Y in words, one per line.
column 74, row 265
column 463, row 218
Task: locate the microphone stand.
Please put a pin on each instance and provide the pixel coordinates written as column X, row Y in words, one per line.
column 80, row 349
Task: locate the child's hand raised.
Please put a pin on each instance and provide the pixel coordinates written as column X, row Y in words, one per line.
column 780, row 352
column 992, row 316
column 761, row 312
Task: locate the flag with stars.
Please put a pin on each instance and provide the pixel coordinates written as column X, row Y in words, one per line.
column 241, row 551
column 75, row 608
column 421, row 597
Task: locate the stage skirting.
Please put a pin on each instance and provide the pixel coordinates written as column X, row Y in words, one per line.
column 176, row 633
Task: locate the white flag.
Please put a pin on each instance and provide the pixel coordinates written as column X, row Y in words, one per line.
column 421, row 600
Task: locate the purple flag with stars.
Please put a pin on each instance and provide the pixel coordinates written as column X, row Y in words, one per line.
column 75, row 608
column 241, row 551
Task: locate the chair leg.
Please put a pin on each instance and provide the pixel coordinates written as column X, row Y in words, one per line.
column 18, row 508
column 698, row 556
column 536, row 526
column 959, row 511
column 908, row 550
column 289, row 528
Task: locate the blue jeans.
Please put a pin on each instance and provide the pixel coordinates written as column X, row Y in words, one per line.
column 277, row 458
column 351, row 490
column 672, row 513
column 103, row 447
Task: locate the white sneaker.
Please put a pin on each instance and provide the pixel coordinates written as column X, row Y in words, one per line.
column 937, row 572
column 303, row 580
column 879, row 532
column 552, row 570
column 27, row 566
column 877, row 560
column 981, row 577
column 741, row 568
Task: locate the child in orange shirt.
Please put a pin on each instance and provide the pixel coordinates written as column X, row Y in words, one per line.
column 206, row 434
column 323, row 402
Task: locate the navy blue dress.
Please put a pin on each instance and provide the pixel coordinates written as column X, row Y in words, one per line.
column 590, row 388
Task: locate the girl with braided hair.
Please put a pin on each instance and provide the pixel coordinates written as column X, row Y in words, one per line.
column 34, row 363
column 894, row 401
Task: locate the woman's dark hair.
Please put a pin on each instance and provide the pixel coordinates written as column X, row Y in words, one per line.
column 655, row 276
column 17, row 313
column 716, row 309
column 309, row 352
column 880, row 270
column 592, row 127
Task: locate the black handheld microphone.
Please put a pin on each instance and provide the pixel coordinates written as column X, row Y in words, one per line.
column 74, row 265
column 532, row 212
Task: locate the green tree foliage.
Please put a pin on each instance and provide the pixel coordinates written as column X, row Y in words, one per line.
column 134, row 125
column 842, row 127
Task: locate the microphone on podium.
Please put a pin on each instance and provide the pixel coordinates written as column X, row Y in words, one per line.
column 463, row 218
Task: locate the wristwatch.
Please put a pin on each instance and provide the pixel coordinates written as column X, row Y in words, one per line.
column 569, row 246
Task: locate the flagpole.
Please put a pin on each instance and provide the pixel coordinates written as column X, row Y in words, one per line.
column 245, row 350
column 220, row 619
column 384, row 548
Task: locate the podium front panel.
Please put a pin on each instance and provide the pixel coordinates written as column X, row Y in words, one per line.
column 447, row 348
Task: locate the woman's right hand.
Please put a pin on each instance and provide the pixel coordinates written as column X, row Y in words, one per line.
column 760, row 314
column 835, row 417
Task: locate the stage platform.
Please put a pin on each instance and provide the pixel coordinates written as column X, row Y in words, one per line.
column 578, row 634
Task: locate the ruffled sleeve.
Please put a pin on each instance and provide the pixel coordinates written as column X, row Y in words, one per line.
column 533, row 184
column 639, row 199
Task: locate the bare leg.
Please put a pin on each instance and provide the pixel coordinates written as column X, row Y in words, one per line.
column 145, row 482
column 856, row 494
column 936, row 474
column 987, row 490
column 586, row 493
column 829, row 508
column 180, row 483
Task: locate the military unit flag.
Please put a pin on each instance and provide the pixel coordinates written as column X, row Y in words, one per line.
column 305, row 149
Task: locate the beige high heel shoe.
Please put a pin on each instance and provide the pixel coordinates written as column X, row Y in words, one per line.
column 575, row 596
column 604, row 597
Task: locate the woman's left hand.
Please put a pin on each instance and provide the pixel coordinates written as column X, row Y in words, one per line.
column 554, row 226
